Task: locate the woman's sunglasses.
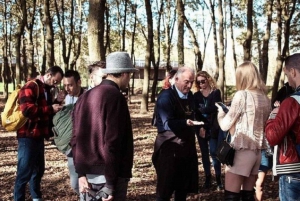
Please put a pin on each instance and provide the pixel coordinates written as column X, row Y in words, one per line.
column 201, row 81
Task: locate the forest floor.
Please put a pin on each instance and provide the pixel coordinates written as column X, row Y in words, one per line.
column 55, row 183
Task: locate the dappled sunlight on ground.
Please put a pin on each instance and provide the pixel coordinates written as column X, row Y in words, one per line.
column 55, row 183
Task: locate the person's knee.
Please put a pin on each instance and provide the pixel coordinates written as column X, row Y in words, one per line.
column 259, row 184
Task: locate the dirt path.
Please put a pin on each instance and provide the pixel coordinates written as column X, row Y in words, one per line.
column 55, row 183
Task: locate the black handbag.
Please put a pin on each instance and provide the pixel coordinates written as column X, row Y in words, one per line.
column 225, row 152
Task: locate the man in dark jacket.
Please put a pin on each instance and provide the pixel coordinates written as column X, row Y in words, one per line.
column 283, row 129
column 175, row 156
column 102, row 142
column 34, row 105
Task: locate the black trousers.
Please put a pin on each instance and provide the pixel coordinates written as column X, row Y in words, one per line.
column 173, row 172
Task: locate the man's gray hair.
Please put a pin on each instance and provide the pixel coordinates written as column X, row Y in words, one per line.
column 181, row 70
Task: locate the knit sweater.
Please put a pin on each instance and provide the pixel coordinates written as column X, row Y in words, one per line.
column 246, row 119
column 102, row 141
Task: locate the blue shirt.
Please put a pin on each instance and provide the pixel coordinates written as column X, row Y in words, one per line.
column 181, row 95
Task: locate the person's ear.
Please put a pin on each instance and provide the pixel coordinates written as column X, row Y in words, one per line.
column 294, row 72
column 79, row 82
column 48, row 76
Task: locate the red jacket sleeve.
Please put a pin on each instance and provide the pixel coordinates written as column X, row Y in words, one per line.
column 287, row 119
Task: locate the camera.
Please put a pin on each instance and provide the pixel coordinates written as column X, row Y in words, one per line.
column 97, row 195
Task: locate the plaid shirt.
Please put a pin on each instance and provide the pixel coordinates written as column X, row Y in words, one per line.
column 35, row 109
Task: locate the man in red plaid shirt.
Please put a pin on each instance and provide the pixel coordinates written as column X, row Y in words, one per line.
column 36, row 104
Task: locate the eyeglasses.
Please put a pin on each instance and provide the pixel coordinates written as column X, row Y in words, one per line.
column 201, row 82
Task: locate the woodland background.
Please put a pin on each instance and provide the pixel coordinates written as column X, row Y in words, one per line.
column 56, row 182
column 214, row 35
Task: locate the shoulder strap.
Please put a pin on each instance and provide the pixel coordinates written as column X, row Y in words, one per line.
column 38, row 89
column 296, row 96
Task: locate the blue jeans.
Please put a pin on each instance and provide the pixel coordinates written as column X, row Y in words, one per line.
column 73, row 175
column 266, row 162
column 210, row 147
column 30, row 168
column 289, row 187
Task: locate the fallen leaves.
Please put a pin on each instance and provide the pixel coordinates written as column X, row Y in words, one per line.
column 55, row 183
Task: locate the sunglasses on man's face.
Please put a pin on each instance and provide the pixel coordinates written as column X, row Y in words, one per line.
column 201, row 81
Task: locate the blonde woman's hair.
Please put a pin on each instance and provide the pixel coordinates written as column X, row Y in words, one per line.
column 211, row 81
column 248, row 77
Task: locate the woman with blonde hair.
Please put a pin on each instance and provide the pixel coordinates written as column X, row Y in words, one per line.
column 211, row 136
column 245, row 120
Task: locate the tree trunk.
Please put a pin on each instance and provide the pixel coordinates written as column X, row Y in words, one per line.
column 96, row 30
column 49, row 35
column 6, row 71
column 19, row 38
column 32, row 72
column 66, row 45
column 265, row 48
column 232, row 35
column 180, row 30
column 197, row 52
column 134, row 7
column 107, row 45
column 49, row 56
column 24, row 68
column 221, row 79
column 169, row 28
column 145, row 93
column 205, row 28
column 282, row 53
column 248, row 40
column 156, row 65
column 77, row 40
column 124, row 26
column 257, row 37
column 214, row 24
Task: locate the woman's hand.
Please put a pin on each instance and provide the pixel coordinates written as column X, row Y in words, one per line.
column 110, row 198
column 189, row 122
column 276, row 104
column 193, row 123
column 220, row 109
